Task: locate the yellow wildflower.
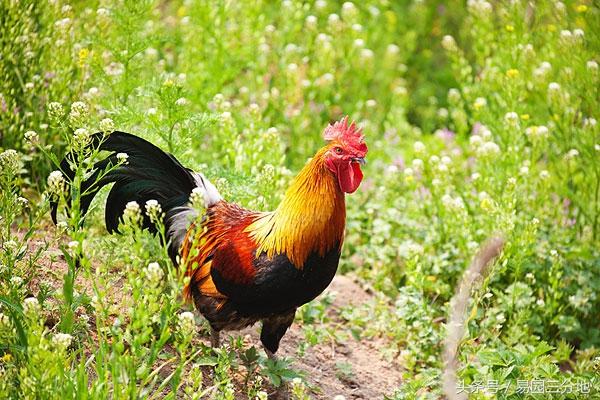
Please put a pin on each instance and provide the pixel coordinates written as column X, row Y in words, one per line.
column 512, row 73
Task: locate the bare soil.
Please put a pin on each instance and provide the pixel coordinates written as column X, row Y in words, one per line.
column 371, row 375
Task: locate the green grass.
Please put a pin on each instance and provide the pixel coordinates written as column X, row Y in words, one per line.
column 480, row 118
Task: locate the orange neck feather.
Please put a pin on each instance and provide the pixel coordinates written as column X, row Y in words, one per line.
column 311, row 217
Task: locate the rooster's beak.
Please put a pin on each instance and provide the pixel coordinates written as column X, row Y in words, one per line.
column 360, row 160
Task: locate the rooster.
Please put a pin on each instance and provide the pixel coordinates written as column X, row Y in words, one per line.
column 243, row 266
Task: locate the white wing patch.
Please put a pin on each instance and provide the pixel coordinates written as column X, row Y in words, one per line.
column 208, row 191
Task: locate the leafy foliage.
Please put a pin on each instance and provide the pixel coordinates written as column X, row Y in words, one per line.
column 480, row 118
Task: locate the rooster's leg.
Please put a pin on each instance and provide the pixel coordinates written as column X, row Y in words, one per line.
column 270, row 354
column 214, row 338
column 273, row 329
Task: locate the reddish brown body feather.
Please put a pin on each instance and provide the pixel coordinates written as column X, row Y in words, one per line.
column 220, row 242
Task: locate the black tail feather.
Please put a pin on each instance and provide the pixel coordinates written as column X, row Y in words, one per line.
column 150, row 173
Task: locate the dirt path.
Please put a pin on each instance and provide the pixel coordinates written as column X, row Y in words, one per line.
column 370, row 377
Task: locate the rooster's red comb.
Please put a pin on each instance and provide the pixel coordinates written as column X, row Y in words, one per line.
column 342, row 131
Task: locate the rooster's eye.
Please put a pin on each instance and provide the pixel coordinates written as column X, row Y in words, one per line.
column 338, row 150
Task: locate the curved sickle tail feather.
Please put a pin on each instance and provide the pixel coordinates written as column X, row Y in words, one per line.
column 150, row 173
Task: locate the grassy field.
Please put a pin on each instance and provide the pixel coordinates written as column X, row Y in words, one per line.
column 481, row 119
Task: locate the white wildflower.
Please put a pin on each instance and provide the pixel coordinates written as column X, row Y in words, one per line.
column 31, row 136
column 107, row 125
column 566, row 35
column 79, row 107
column 132, row 213
column 187, row 323
column 153, row 210
column 254, row 109
column 62, row 226
column 81, row 138
column 540, row 302
column 367, row 54
column 589, row 122
column 56, row 183
column 9, row 161
column 16, row 281
column 475, row 141
column 537, row 132
column 114, row 69
column 479, row 103
column 419, row 147
column 485, row 132
column 592, row 65
column 62, row 340
column 573, row 153
column 511, row 118
column 553, row 87
column 544, row 174
column 448, row 43
column 102, row 12
column 55, row 110
column 31, row 305
column 182, row 101
column 488, row 149
column 122, row 158
column 154, row 273
column 198, row 198
column 578, row 33
column 392, row 49
column 417, row 164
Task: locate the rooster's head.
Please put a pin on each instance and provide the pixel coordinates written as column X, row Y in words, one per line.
column 345, row 153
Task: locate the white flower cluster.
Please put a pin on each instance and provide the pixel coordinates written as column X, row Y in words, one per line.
column 56, row 183
column 537, row 132
column 81, row 138
column 543, row 70
column 569, row 38
column 154, row 273
column 9, row 161
column 78, row 114
column 453, row 203
column 122, row 158
column 512, row 119
column 198, row 198
column 132, row 215
column 479, row 7
column 483, row 145
column 449, row 44
column 187, row 323
column 31, row 136
column 107, row 125
column 153, row 210
column 62, row 340
column 31, row 305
